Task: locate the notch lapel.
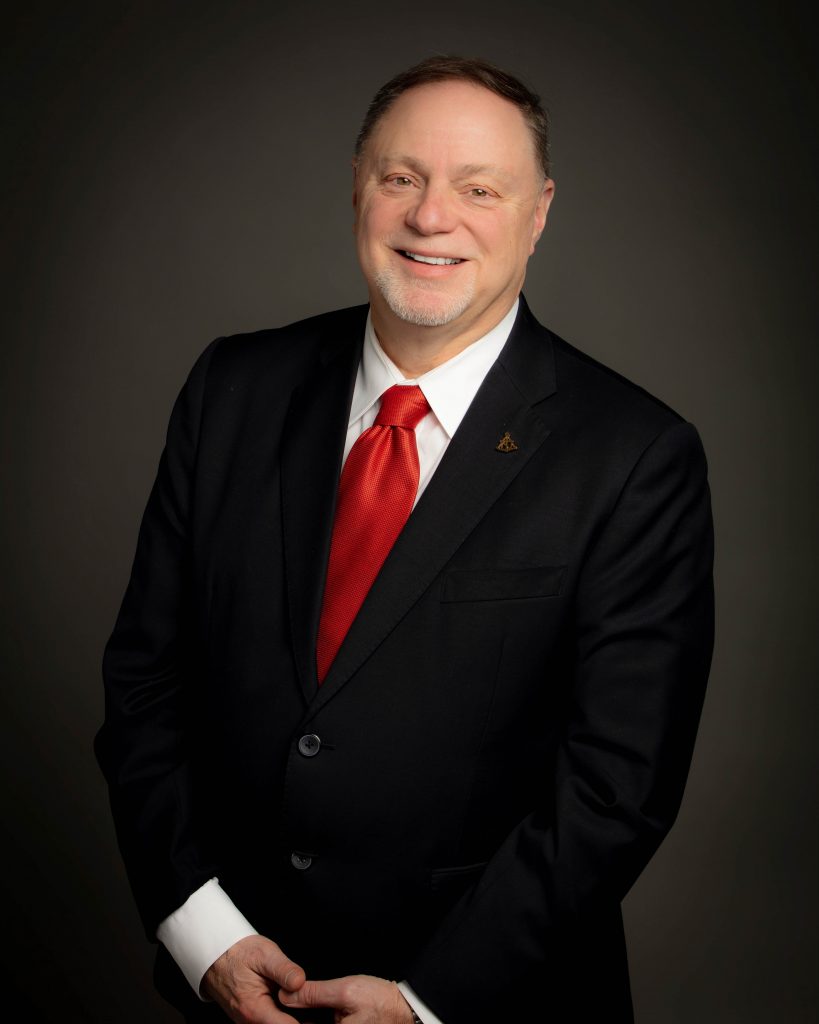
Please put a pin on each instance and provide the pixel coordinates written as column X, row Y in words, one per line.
column 471, row 477
column 311, row 452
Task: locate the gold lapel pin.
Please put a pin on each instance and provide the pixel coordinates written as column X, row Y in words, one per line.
column 506, row 444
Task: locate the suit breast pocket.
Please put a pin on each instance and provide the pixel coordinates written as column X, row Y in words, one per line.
column 448, row 885
column 503, row 584
column 457, row 879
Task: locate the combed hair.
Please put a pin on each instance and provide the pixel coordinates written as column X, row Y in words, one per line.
column 467, row 69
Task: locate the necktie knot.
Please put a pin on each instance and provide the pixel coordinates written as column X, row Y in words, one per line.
column 403, row 405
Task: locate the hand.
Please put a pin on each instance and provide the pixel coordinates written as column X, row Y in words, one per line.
column 358, row 999
column 242, row 981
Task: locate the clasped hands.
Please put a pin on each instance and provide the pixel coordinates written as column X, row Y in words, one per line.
column 254, row 977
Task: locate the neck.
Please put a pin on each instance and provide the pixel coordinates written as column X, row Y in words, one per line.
column 417, row 350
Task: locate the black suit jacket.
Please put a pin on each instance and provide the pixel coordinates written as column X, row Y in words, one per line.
column 506, row 731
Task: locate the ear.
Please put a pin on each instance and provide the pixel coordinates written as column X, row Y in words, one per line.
column 544, row 201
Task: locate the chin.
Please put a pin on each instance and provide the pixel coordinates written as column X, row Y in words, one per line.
column 419, row 305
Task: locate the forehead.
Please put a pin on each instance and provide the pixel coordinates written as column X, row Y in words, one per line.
column 458, row 123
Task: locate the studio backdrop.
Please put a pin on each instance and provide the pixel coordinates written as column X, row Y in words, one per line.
column 180, row 171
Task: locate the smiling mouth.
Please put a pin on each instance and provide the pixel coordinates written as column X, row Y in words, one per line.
column 437, row 261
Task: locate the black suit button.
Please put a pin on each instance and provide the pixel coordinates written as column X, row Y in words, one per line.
column 300, row 861
column 309, row 745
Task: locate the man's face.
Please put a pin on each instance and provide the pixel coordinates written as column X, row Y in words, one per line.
column 449, row 173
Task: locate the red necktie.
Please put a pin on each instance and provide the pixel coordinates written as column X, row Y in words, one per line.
column 375, row 497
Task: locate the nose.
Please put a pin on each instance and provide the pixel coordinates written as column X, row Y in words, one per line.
column 432, row 212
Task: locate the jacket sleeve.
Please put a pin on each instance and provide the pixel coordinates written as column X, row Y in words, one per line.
column 642, row 649
column 150, row 676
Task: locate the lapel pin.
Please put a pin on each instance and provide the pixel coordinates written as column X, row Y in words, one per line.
column 506, row 444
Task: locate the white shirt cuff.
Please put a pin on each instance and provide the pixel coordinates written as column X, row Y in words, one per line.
column 421, row 1008
column 201, row 930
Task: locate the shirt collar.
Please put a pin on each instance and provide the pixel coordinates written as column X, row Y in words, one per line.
column 449, row 388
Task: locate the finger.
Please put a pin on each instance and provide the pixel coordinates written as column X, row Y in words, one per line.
column 314, row 993
column 268, row 1015
column 261, row 1010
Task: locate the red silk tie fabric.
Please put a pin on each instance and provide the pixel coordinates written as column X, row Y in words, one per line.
column 375, row 497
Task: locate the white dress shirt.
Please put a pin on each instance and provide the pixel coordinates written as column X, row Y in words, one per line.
column 209, row 923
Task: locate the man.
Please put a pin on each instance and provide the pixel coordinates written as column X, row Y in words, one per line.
column 404, row 688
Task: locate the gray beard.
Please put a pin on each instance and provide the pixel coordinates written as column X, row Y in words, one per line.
column 395, row 290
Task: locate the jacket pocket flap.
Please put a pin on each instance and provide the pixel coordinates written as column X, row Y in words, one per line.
column 503, row 584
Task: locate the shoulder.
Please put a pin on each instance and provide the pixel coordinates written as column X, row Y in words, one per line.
column 263, row 368
column 609, row 420
column 593, row 384
column 291, row 347
column 614, row 420
column 621, row 437
column 561, row 379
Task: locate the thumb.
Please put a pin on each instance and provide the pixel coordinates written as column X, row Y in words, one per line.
column 275, row 965
column 311, row 994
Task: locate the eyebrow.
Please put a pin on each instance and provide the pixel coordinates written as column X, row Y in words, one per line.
column 464, row 171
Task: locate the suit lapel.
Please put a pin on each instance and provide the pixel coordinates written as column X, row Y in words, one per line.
column 470, row 478
column 311, row 451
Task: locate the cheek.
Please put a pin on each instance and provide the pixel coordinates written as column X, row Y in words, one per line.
column 375, row 219
column 500, row 241
column 366, row 233
column 519, row 245
column 503, row 251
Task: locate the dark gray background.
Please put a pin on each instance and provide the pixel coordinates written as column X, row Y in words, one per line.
column 179, row 171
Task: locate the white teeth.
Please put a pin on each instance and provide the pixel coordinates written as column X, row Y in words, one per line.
column 437, row 260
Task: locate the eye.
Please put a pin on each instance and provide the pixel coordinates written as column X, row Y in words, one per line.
column 401, row 180
column 478, row 192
